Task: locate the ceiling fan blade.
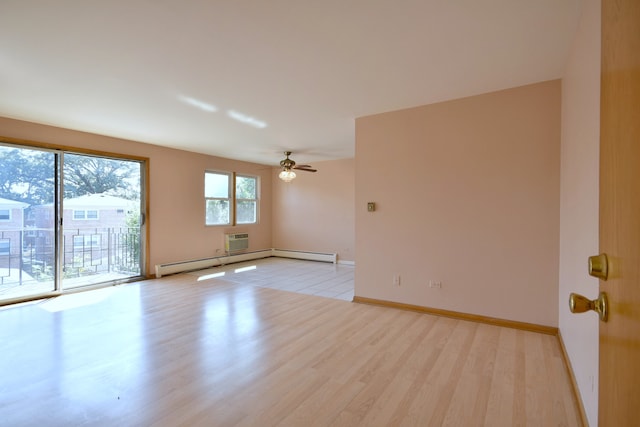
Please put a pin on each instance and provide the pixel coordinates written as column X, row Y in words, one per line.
column 288, row 164
column 305, row 169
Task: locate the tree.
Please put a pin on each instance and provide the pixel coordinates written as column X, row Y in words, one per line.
column 95, row 175
column 27, row 175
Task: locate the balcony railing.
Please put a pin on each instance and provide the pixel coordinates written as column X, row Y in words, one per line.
column 27, row 256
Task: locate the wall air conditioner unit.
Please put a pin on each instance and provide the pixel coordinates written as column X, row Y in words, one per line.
column 236, row 242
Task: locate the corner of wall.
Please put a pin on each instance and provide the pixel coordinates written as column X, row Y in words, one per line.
column 579, row 203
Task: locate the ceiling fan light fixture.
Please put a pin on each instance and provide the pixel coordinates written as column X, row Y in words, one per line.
column 288, row 165
column 287, row 175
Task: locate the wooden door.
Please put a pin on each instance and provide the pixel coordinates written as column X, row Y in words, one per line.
column 619, row 393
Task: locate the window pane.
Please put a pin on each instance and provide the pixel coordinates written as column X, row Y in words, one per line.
column 246, row 213
column 26, row 261
column 216, row 185
column 245, row 187
column 107, row 193
column 217, row 212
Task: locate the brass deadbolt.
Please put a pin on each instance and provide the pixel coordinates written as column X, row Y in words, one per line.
column 599, row 266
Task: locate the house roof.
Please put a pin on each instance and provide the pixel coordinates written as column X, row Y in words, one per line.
column 12, row 204
column 97, row 201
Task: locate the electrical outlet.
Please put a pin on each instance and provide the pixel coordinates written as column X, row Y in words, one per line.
column 396, row 279
column 435, row 284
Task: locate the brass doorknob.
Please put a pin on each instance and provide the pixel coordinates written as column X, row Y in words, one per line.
column 580, row 304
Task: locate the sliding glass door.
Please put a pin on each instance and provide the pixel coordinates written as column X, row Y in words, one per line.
column 68, row 220
column 101, row 229
column 27, row 247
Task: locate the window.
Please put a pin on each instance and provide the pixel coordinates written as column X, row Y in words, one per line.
column 82, row 214
column 246, row 199
column 217, row 196
column 227, row 204
column 5, row 246
column 5, row 214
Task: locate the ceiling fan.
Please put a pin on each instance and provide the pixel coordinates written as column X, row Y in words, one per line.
column 289, row 165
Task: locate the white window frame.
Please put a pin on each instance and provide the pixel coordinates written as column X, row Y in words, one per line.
column 231, row 197
column 256, row 200
column 228, row 199
column 85, row 215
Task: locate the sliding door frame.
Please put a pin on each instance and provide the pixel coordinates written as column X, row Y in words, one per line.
column 59, row 151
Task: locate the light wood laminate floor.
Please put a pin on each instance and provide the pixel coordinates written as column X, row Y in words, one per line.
column 182, row 352
column 312, row 278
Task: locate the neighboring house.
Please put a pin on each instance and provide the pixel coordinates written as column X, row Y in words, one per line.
column 96, row 210
column 90, row 210
column 11, row 226
column 94, row 227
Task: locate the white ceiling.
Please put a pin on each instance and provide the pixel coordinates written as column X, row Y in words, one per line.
column 247, row 79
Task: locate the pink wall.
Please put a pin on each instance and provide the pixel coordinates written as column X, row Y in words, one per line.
column 176, row 213
column 315, row 211
column 467, row 193
column 579, row 202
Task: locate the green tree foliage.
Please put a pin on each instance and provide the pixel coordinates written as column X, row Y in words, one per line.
column 246, row 195
column 97, row 175
column 217, row 212
column 245, row 187
column 28, row 176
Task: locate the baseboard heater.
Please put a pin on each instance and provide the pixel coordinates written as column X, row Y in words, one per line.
column 199, row 264
column 309, row 256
